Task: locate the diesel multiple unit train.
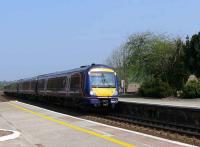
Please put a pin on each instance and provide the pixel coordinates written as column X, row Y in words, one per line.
column 94, row 85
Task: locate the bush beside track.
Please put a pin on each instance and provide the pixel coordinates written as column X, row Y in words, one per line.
column 155, row 88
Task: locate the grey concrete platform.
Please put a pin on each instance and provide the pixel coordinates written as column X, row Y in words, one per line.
column 44, row 128
column 174, row 102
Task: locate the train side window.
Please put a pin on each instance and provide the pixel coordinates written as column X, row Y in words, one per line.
column 50, row 84
column 75, row 83
column 33, row 84
column 56, row 84
column 61, row 83
column 20, row 86
column 23, row 85
column 26, row 85
column 41, row 84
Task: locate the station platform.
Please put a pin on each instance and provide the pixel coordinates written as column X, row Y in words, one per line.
column 40, row 127
column 173, row 102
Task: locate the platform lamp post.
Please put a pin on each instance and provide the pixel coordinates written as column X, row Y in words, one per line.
column 124, row 73
column 123, row 86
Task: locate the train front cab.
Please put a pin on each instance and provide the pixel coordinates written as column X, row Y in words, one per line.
column 103, row 87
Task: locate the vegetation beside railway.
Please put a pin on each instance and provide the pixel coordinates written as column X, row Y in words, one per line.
column 192, row 89
column 148, row 57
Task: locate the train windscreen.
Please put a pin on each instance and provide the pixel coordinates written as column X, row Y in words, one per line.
column 102, row 80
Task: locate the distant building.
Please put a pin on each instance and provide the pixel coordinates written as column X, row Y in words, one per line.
column 133, row 88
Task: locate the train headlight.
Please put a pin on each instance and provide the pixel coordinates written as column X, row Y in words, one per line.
column 115, row 93
column 92, row 93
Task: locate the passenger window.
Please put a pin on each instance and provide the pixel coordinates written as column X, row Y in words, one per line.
column 75, row 83
column 41, row 84
column 56, row 84
column 26, row 85
column 33, row 84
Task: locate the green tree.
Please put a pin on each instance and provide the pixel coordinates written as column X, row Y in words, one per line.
column 149, row 55
column 177, row 75
column 157, row 56
column 192, row 54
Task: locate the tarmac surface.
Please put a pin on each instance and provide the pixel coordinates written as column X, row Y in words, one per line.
column 40, row 127
column 174, row 102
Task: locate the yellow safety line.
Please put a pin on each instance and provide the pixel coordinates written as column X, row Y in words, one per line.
column 73, row 126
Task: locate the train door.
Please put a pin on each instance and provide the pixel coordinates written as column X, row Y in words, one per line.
column 75, row 85
column 67, row 85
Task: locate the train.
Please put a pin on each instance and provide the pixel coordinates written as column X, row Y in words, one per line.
column 93, row 85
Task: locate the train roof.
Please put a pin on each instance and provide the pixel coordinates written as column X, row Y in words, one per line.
column 28, row 79
column 82, row 68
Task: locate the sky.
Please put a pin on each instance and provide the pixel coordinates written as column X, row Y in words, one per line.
column 42, row 36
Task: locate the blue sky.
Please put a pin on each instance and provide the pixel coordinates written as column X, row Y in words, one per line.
column 42, row 36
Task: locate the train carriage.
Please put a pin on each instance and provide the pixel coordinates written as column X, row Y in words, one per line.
column 94, row 85
column 27, row 86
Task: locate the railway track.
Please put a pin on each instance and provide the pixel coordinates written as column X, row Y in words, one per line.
column 181, row 129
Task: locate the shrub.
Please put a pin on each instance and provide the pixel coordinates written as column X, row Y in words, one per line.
column 155, row 88
column 191, row 89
